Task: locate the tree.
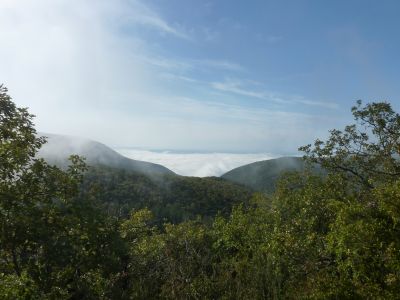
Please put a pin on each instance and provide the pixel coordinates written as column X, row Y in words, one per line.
column 18, row 140
column 361, row 241
column 52, row 244
column 367, row 151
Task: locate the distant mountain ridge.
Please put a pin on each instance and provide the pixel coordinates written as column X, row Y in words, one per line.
column 59, row 147
column 263, row 175
column 122, row 184
column 258, row 176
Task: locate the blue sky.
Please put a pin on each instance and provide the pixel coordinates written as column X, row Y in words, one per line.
column 236, row 76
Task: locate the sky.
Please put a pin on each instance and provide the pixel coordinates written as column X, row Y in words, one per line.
column 253, row 76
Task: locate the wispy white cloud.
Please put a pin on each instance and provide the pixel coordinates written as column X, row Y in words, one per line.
column 166, row 63
column 143, row 14
column 187, row 124
column 187, row 64
column 72, row 62
column 327, row 104
column 219, row 64
column 237, row 87
column 171, row 76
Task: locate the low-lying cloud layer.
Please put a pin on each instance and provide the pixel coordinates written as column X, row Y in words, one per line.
column 196, row 164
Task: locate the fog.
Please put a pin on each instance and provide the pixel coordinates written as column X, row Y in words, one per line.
column 196, row 164
column 58, row 148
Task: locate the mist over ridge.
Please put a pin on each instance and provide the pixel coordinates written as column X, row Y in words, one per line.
column 199, row 164
column 59, row 147
column 186, row 163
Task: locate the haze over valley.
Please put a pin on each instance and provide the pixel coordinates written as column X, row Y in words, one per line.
column 196, row 163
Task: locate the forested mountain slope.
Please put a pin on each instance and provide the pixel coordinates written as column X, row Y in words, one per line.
column 120, row 184
column 171, row 198
column 263, row 175
column 59, row 147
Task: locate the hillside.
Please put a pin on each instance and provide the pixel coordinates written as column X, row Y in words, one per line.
column 262, row 175
column 171, row 198
column 59, row 147
column 121, row 184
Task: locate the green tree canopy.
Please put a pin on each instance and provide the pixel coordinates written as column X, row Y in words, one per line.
column 368, row 150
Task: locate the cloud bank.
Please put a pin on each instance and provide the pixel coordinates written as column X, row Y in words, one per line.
column 196, row 164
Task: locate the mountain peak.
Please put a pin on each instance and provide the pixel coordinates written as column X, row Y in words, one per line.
column 59, row 147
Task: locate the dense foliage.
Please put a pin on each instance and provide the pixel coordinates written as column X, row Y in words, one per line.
column 335, row 236
column 171, row 198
